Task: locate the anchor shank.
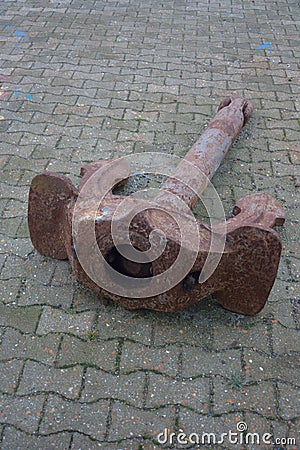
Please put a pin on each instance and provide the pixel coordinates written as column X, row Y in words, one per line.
column 200, row 164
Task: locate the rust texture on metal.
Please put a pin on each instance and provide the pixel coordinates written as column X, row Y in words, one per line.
column 248, row 266
column 210, row 149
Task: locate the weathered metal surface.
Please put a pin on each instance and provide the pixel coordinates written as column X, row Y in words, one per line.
column 249, row 262
column 49, row 196
column 210, row 149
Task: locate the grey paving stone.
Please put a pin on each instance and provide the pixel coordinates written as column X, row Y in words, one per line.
column 127, row 388
column 196, row 362
column 24, row 319
column 21, row 163
column 2, row 331
column 115, row 322
column 16, row 345
column 83, row 441
column 128, row 422
column 9, row 290
column 259, row 398
column 206, row 430
column 3, row 257
column 35, row 294
column 37, row 377
column 62, row 415
column 14, row 208
column 19, row 247
column 84, row 299
column 16, row 439
column 166, row 391
column 23, row 231
column 254, row 336
column 29, row 411
column 11, row 177
column 9, row 373
column 10, row 226
column 283, row 312
column 14, row 265
column 282, row 291
column 288, row 400
column 284, row 339
column 55, row 320
column 261, row 367
column 140, row 357
column 102, row 354
column 173, row 329
column 295, row 268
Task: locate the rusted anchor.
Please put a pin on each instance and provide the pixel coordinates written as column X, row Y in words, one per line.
column 249, row 261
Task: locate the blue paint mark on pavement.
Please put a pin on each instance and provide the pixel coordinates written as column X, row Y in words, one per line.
column 20, row 34
column 265, row 45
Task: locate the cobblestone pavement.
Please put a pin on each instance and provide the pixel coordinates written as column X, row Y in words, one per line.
column 82, row 80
